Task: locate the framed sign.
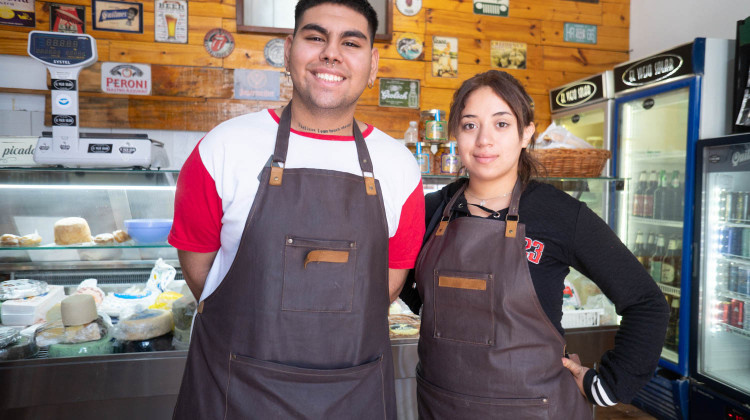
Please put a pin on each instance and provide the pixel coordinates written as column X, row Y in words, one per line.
column 17, row 13
column 117, row 16
column 399, row 93
column 277, row 17
column 508, row 55
column 67, row 18
column 579, row 32
column 171, row 21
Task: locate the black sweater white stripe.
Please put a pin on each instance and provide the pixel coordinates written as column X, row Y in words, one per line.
column 597, row 391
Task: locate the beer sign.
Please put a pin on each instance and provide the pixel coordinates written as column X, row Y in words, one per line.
column 667, row 65
column 171, row 21
column 126, row 78
column 117, row 16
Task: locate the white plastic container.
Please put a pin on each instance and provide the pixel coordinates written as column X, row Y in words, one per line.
column 29, row 310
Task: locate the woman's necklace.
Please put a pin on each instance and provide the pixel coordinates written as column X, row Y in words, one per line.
column 483, row 201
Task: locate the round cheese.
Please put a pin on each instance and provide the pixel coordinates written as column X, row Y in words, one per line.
column 120, row 235
column 9, row 240
column 104, row 239
column 72, row 230
column 30, row 240
column 90, row 348
column 143, row 325
column 78, row 309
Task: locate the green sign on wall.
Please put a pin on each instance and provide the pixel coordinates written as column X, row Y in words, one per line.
column 579, row 32
column 491, row 7
column 399, row 93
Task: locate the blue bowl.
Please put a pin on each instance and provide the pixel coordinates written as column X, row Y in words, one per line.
column 148, row 231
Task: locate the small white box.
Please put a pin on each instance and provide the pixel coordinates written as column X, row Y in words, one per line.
column 581, row 318
column 32, row 309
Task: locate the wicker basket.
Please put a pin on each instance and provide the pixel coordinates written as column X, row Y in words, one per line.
column 573, row 163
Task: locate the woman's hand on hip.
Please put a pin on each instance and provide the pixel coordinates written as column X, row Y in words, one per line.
column 576, row 369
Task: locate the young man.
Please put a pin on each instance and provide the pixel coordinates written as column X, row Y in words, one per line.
column 295, row 230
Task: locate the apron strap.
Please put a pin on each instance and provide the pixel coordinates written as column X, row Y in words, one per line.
column 282, row 147
column 511, row 220
column 448, row 210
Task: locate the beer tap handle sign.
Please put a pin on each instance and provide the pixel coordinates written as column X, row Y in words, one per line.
column 64, row 55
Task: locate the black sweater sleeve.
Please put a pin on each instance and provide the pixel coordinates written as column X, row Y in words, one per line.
column 600, row 255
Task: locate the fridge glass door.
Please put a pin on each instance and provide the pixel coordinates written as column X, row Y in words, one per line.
column 652, row 139
column 724, row 305
column 588, row 125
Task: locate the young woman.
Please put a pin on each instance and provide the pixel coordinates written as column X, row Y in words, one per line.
column 489, row 279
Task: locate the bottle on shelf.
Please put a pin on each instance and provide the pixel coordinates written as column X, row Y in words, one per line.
column 657, row 257
column 640, row 192
column 673, row 330
column 675, row 197
column 640, row 249
column 661, row 206
column 648, row 197
column 670, row 265
column 411, row 136
column 650, row 249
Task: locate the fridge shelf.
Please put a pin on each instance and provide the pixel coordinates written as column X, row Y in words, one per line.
column 739, row 259
column 743, row 224
column 657, row 222
column 669, row 290
column 659, row 157
column 733, row 295
column 735, row 330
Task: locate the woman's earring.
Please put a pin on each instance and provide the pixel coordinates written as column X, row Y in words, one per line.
column 287, row 73
column 370, row 85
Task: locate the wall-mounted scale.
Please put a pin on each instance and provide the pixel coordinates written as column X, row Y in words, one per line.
column 65, row 55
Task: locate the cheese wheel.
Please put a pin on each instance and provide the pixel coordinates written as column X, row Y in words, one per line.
column 30, row 240
column 101, row 346
column 78, row 309
column 72, row 230
column 143, row 325
column 83, row 333
column 54, row 313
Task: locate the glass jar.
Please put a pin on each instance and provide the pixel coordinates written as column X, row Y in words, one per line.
column 433, row 126
column 446, row 160
column 421, row 152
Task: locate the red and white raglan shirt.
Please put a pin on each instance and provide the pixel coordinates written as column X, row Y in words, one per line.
column 219, row 180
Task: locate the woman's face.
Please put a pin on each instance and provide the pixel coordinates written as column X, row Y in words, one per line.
column 488, row 140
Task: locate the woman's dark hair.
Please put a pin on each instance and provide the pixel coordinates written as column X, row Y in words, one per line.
column 512, row 92
column 362, row 7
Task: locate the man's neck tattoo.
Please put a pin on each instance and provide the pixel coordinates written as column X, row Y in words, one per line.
column 323, row 131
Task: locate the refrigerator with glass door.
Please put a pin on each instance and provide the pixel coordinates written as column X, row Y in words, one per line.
column 664, row 104
column 720, row 363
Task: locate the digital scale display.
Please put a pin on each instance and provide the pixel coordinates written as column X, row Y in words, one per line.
column 61, row 49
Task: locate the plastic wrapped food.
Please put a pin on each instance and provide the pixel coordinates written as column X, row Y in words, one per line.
column 21, row 288
column 24, row 348
column 29, row 310
column 8, row 336
column 166, row 300
column 161, row 343
column 89, row 287
column 56, row 333
column 144, row 325
column 104, row 345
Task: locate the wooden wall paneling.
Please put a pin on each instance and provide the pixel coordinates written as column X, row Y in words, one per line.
column 581, row 60
column 393, row 121
column 469, row 25
column 616, row 14
column 464, row 6
column 414, row 24
column 229, row 24
column 195, row 82
column 161, row 53
column 610, row 38
column 234, row 2
column 199, row 25
column 404, row 69
column 437, row 98
column 248, row 53
column 556, row 10
column 211, row 9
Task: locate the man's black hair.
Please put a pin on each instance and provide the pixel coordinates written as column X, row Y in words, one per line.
column 362, row 7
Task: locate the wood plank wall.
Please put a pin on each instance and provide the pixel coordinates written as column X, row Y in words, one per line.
column 194, row 91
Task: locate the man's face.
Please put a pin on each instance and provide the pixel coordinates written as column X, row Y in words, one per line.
column 340, row 35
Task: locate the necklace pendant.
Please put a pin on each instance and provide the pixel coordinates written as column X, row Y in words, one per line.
column 482, row 203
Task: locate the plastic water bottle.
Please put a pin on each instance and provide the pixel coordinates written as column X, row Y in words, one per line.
column 411, row 136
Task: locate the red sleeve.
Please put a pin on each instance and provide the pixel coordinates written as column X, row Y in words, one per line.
column 404, row 246
column 197, row 209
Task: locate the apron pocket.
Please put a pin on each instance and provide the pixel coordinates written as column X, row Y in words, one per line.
column 463, row 307
column 437, row 403
column 259, row 389
column 319, row 275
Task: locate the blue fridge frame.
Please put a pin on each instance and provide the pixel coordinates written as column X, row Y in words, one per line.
column 727, row 396
column 693, row 82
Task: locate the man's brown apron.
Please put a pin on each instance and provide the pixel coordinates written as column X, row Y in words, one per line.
column 298, row 328
column 487, row 350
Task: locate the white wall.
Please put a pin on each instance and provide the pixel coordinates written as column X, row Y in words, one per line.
column 657, row 25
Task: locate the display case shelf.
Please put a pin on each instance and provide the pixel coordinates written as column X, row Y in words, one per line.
column 734, row 295
column 669, row 290
column 743, row 224
column 734, row 330
column 84, row 246
column 657, row 222
column 736, row 259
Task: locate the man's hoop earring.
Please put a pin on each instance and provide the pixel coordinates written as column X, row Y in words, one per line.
column 370, row 85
